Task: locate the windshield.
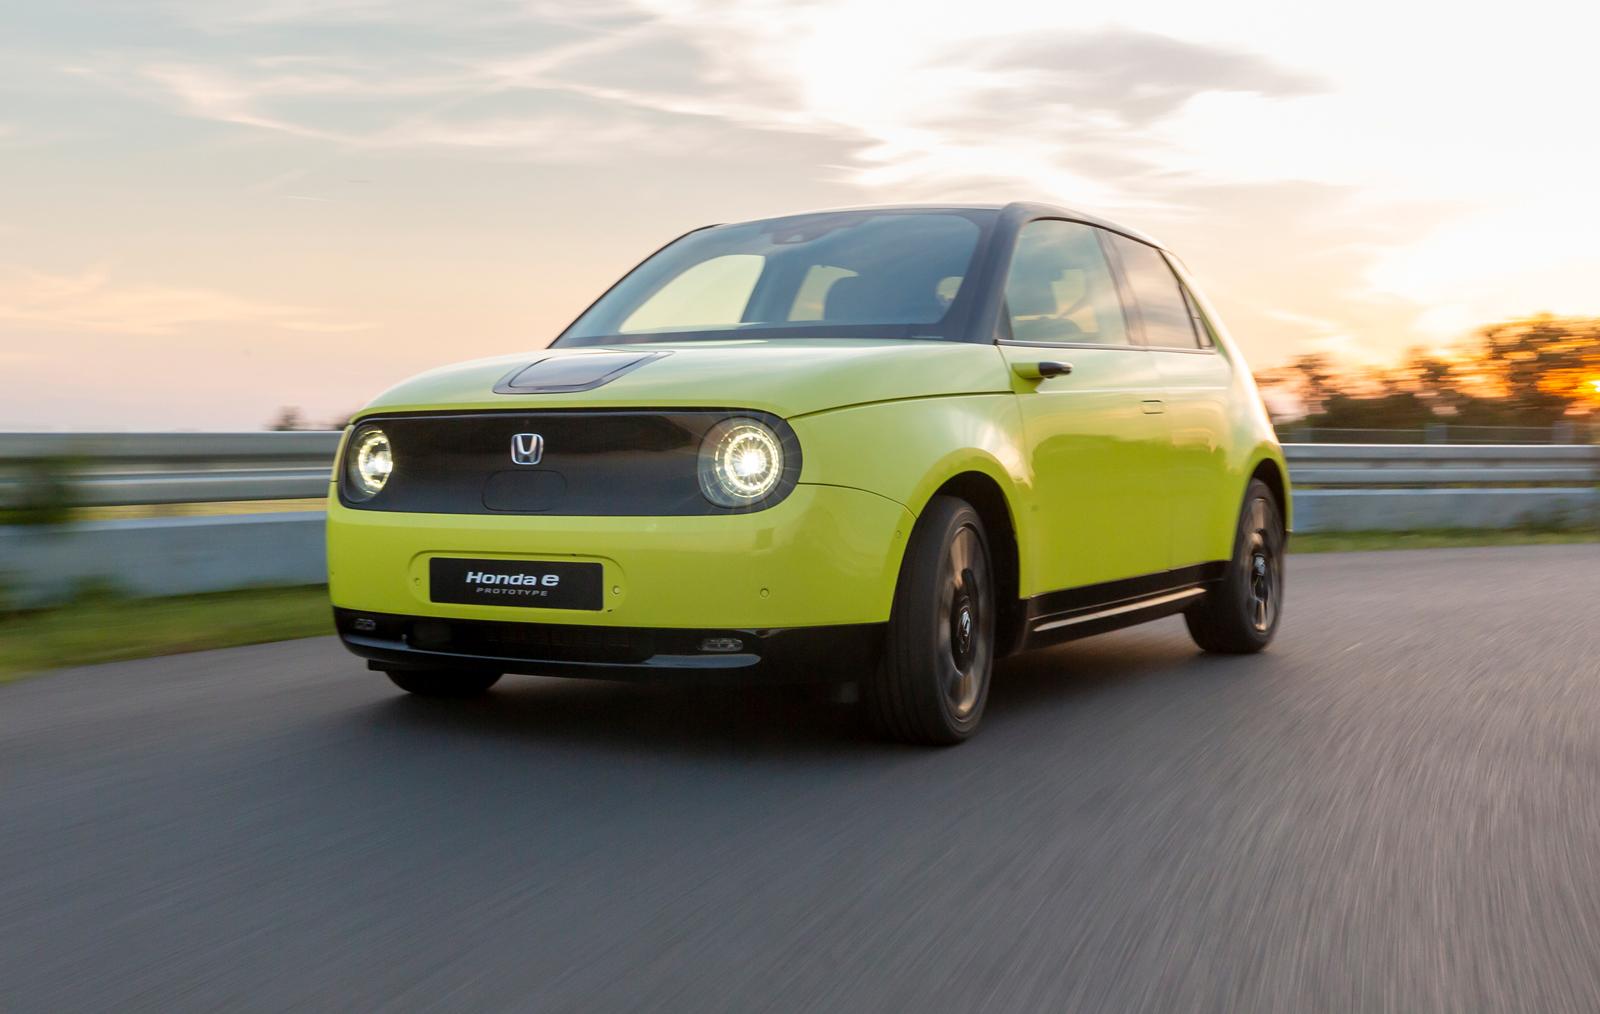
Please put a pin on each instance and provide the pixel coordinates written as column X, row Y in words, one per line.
column 847, row 274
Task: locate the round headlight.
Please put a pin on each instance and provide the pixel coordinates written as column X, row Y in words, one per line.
column 369, row 463
column 741, row 461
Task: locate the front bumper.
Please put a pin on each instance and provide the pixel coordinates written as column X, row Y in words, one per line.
column 806, row 654
column 826, row 556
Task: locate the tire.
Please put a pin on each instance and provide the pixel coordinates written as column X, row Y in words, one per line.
column 452, row 683
column 1240, row 615
column 932, row 682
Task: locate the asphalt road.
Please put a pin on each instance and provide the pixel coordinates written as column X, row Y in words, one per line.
column 1396, row 808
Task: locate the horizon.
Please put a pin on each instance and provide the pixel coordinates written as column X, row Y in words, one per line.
column 213, row 211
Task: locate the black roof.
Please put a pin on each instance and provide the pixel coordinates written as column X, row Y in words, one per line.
column 1018, row 209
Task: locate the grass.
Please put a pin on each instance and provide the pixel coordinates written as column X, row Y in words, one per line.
column 1349, row 542
column 106, row 629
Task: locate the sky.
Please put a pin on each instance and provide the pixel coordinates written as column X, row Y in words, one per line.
column 213, row 209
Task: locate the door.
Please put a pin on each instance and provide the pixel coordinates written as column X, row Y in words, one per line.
column 1195, row 380
column 1096, row 436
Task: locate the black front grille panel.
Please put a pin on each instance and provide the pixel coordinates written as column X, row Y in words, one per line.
column 590, row 463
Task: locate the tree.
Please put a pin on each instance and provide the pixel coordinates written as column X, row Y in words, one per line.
column 1542, row 367
column 1527, row 372
column 288, row 419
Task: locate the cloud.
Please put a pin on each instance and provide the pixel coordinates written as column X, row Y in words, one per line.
column 1056, row 113
column 211, row 15
column 212, row 95
column 1132, row 76
column 1318, row 324
column 1355, row 177
column 447, row 99
column 92, row 300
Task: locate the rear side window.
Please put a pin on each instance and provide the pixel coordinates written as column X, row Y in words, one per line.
column 1202, row 326
column 1060, row 289
column 1162, row 306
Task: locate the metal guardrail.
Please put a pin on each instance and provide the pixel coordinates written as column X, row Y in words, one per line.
column 103, row 469
column 116, row 469
column 1338, row 487
column 1441, row 465
column 1415, row 487
column 1564, row 431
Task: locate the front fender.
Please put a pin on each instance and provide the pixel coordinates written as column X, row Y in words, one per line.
column 906, row 450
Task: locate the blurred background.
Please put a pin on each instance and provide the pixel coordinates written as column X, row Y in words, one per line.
column 315, row 200
column 226, row 225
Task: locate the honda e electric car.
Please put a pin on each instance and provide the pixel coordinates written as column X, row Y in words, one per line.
column 885, row 447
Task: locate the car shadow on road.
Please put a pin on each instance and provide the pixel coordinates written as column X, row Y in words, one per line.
column 766, row 720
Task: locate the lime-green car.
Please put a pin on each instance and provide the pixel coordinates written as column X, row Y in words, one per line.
column 883, row 446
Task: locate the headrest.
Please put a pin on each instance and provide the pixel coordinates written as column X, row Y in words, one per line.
column 1030, row 296
column 896, row 299
column 849, row 299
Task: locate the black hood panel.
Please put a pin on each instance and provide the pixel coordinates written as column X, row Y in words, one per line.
column 568, row 373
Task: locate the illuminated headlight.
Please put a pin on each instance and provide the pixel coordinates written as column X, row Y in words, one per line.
column 368, row 463
column 741, row 462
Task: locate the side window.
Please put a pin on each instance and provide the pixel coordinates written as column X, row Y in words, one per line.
column 1202, row 326
column 1060, row 288
column 1162, row 306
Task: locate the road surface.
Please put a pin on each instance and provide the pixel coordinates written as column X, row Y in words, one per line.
column 1396, row 808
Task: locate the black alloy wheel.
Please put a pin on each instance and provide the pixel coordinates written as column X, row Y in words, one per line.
column 1240, row 614
column 933, row 681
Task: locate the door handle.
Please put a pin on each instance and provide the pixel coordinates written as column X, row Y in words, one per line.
column 1041, row 371
column 1153, row 406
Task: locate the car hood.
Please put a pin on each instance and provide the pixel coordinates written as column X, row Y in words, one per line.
column 788, row 377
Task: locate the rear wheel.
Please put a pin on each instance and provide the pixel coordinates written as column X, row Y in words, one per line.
column 933, row 682
column 443, row 682
column 1240, row 614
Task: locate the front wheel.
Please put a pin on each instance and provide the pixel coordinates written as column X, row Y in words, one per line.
column 443, row 682
column 933, row 681
column 1240, row 614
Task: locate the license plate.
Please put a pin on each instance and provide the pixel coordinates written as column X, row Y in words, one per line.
column 542, row 584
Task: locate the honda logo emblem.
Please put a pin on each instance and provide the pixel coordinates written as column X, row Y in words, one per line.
column 527, row 448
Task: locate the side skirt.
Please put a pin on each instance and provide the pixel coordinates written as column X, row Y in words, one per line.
column 1067, row 615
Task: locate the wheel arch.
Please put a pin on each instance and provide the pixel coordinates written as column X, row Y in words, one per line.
column 1272, row 473
column 996, row 509
column 911, row 451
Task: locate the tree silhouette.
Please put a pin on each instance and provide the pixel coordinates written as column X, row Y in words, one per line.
column 1533, row 371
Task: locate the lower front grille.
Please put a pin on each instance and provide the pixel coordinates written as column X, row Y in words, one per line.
column 555, row 642
column 552, row 642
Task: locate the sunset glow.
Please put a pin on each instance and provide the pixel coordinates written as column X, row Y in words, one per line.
column 324, row 198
